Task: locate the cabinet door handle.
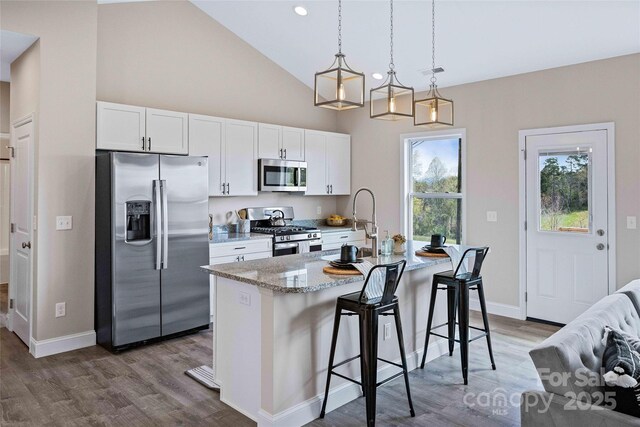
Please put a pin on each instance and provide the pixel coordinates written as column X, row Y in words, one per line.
column 331, row 188
column 344, row 237
column 281, row 153
column 285, row 153
column 238, row 258
column 327, row 189
column 228, row 191
column 241, row 247
column 242, row 257
column 143, row 145
column 149, row 143
column 223, row 188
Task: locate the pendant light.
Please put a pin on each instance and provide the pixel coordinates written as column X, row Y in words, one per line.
column 434, row 109
column 339, row 87
column 392, row 100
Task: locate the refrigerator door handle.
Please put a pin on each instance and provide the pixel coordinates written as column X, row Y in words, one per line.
column 158, row 223
column 165, row 224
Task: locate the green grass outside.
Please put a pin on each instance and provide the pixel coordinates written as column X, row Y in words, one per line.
column 579, row 219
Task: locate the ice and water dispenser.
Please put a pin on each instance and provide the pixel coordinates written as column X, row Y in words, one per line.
column 138, row 221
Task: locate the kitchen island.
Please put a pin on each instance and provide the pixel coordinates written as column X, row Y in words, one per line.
column 273, row 333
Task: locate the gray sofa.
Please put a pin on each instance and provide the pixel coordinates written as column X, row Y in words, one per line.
column 569, row 365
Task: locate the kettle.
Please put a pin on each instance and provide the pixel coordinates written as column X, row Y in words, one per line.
column 277, row 221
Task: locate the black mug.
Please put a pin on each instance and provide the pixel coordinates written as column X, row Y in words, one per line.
column 437, row 240
column 348, row 253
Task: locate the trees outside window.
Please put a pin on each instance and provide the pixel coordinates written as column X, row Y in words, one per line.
column 436, row 194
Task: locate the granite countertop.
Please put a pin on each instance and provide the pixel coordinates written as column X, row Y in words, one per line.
column 303, row 273
column 236, row 237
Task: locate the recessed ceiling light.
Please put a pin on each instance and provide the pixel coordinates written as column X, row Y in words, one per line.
column 377, row 76
column 300, row 10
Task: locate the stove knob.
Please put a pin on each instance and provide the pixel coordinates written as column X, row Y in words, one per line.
column 315, row 234
column 310, row 235
column 288, row 237
column 281, row 238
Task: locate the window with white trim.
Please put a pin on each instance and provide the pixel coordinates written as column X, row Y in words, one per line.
column 435, row 194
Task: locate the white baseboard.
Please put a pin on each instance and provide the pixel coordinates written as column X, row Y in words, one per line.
column 497, row 308
column 62, row 344
column 309, row 410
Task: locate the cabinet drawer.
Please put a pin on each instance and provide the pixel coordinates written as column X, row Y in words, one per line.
column 342, row 237
column 238, row 258
column 239, row 248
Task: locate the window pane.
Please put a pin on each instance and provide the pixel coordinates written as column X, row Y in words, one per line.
column 436, row 166
column 437, row 216
column 564, row 191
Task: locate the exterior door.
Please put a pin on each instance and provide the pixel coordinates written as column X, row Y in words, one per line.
column 22, row 244
column 567, row 235
column 184, row 287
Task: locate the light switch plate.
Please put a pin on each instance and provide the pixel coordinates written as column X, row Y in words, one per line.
column 244, row 298
column 492, row 216
column 319, row 210
column 64, row 222
column 61, row 309
column 631, row 222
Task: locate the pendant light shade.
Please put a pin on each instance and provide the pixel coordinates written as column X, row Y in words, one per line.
column 434, row 109
column 392, row 100
column 339, row 87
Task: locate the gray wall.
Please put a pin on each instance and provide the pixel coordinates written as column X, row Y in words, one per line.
column 493, row 112
column 172, row 55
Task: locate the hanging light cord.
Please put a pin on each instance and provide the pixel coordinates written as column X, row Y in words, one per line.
column 340, row 26
column 391, row 64
column 433, row 43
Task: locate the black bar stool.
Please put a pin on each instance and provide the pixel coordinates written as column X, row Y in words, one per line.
column 457, row 286
column 368, row 310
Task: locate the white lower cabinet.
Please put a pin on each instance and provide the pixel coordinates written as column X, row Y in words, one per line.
column 335, row 239
column 223, row 253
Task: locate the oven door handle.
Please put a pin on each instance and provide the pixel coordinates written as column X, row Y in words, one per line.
column 285, row 245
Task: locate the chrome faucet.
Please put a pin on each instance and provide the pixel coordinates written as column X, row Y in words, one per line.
column 374, row 224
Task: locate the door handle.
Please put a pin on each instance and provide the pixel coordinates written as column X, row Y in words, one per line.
column 285, row 153
column 165, row 223
column 228, row 191
column 157, row 201
column 327, row 189
column 149, row 143
column 26, row 245
column 281, row 153
column 600, row 232
column 224, row 191
column 600, row 246
column 331, row 188
column 143, row 145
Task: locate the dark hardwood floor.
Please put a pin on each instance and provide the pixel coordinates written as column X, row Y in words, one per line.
column 147, row 386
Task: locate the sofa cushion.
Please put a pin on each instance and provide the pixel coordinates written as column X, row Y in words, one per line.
column 620, row 361
column 632, row 290
column 569, row 361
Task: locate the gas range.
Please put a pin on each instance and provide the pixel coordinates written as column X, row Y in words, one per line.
column 287, row 239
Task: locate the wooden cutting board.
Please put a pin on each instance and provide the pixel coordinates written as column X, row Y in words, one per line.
column 340, row 271
column 431, row 254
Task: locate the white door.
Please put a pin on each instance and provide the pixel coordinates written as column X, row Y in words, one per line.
column 269, row 137
column 241, row 158
column 315, row 154
column 120, row 127
column 167, row 132
column 21, row 245
column 293, row 143
column 206, row 136
column 567, row 235
column 339, row 164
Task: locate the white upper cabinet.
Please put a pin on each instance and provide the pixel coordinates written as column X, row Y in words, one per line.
column 232, row 148
column 130, row 128
column 206, row 138
column 120, row 127
column 339, row 164
column 280, row 142
column 316, row 153
column 241, row 158
column 328, row 157
column 167, row 132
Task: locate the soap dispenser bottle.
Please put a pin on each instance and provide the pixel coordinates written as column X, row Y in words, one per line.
column 387, row 245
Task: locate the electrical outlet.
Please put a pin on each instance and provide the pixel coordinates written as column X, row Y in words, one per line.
column 319, row 210
column 492, row 216
column 61, row 309
column 387, row 331
column 244, row 298
column 631, row 222
column 64, row 222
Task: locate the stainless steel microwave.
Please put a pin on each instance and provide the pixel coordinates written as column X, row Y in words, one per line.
column 282, row 175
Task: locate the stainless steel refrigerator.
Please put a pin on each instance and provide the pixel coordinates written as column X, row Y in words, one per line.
column 151, row 239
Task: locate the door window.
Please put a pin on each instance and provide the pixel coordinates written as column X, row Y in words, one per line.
column 565, row 191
